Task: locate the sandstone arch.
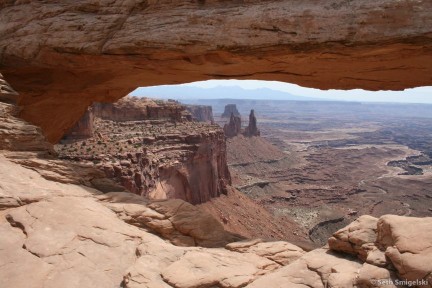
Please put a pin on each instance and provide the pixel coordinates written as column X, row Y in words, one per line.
column 64, row 55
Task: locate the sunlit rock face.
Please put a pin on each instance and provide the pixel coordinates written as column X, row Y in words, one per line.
column 63, row 56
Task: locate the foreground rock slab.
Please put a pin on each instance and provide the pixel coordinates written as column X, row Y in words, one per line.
column 317, row 269
column 178, row 221
column 408, row 245
column 401, row 244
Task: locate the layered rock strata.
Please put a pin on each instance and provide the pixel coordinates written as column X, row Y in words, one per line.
column 18, row 135
column 252, row 129
column 201, row 113
column 161, row 157
column 233, row 127
column 229, row 110
column 135, row 109
column 7, row 93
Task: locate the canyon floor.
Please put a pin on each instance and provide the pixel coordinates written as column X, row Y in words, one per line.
column 323, row 164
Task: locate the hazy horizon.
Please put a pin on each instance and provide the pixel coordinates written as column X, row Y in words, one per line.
column 420, row 95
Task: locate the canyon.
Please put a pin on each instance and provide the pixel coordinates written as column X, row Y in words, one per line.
column 77, row 217
column 152, row 148
column 156, row 149
column 65, row 223
column 323, row 164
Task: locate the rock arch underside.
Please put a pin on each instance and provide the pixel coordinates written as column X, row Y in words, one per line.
column 60, row 56
column 67, row 224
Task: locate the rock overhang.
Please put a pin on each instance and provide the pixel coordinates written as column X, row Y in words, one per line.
column 63, row 56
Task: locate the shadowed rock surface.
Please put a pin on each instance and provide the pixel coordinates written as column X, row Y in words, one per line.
column 135, row 109
column 229, row 110
column 233, row 127
column 252, row 129
column 201, row 113
column 117, row 47
column 84, row 128
column 150, row 148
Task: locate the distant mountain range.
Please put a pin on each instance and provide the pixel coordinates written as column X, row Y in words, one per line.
column 232, row 92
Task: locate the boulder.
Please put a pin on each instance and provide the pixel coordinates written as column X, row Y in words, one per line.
column 408, row 245
column 356, row 237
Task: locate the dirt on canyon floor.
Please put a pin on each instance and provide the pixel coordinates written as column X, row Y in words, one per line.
column 324, row 164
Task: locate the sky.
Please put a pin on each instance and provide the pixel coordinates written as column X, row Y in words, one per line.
column 415, row 95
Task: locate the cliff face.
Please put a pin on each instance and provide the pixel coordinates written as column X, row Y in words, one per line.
column 201, row 113
column 370, row 44
column 158, row 155
column 200, row 176
column 230, row 109
column 7, row 93
column 233, row 127
column 83, row 128
column 135, row 109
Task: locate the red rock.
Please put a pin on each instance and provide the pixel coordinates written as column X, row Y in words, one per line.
column 252, row 129
column 83, row 128
column 229, row 110
column 201, row 113
column 233, row 127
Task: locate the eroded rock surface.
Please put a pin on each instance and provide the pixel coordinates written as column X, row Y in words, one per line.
column 201, row 113
column 252, row 129
column 7, row 93
column 229, row 110
column 180, row 222
column 135, row 109
column 318, row 269
column 84, row 128
column 67, row 234
column 150, row 148
column 401, row 244
column 280, row 252
column 233, row 127
column 116, row 47
column 18, row 135
column 356, row 237
column 59, row 234
column 408, row 245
